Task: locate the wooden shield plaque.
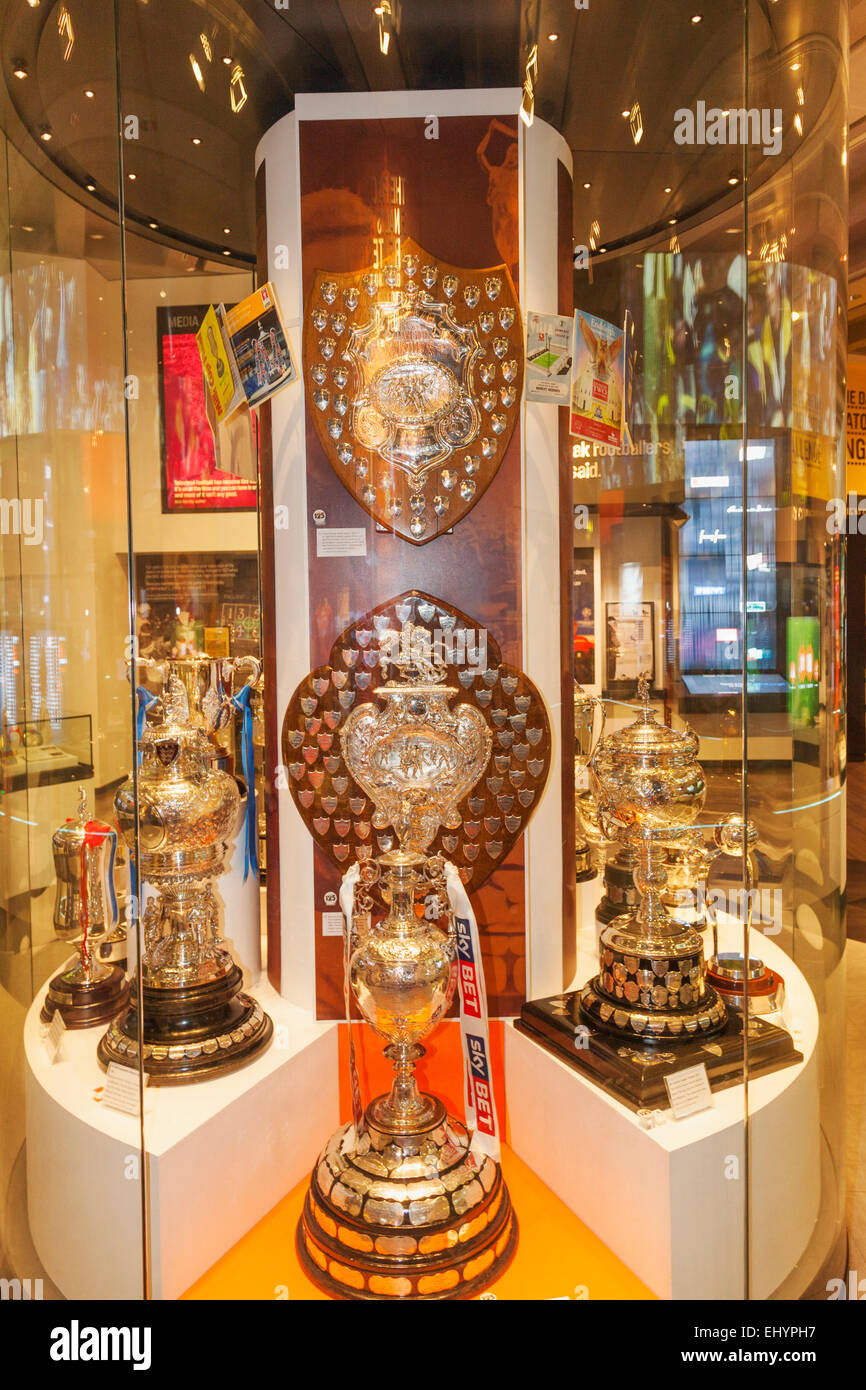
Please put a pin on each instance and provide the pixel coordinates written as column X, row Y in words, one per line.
column 495, row 812
column 414, row 377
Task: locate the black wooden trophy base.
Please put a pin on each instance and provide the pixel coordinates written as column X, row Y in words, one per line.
column 85, row 1003
column 191, row 1032
column 632, row 1071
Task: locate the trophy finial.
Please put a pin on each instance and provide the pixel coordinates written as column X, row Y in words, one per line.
column 175, row 702
column 82, row 805
column 411, row 652
column 644, row 689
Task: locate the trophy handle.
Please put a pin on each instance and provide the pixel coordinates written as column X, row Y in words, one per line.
column 598, row 704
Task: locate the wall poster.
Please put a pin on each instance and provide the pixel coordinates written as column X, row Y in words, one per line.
column 630, row 643
column 194, row 479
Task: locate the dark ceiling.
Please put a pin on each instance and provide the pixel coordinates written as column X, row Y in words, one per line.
column 605, row 58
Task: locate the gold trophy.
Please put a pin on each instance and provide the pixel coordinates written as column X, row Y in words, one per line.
column 91, row 991
column 652, row 983
column 180, row 811
column 585, row 707
column 405, row 1208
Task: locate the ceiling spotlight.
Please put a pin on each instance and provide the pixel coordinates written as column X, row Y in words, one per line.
column 587, row 184
column 132, row 176
column 795, row 67
column 696, row 18
column 672, row 221
column 91, row 187
column 153, row 226
column 226, row 231
column 527, row 101
column 733, row 179
column 196, row 139
column 89, row 94
column 19, row 68
column 237, row 89
column 635, row 120
column 226, row 253
column 669, row 189
column 26, row 228
column 66, row 32
column 382, row 11
column 625, row 114
column 552, row 38
column 46, row 133
column 34, row 4
column 228, row 61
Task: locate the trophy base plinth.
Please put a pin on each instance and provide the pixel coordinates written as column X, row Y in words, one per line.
column 82, row 1004
column 584, row 869
column 632, row 1070
column 636, row 1023
column 190, row 1033
column 411, row 1216
column 652, row 983
column 765, row 989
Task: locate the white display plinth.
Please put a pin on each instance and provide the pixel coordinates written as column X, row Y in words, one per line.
column 220, row 1154
column 670, row 1201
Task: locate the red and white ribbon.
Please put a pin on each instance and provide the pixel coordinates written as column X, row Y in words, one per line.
column 481, row 1118
column 347, row 903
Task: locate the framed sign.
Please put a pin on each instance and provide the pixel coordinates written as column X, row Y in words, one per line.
column 195, row 476
column 629, row 643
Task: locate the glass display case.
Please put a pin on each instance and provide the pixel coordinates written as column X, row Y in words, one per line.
column 422, row 665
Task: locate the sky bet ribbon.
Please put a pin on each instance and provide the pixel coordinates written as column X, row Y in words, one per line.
column 474, row 1032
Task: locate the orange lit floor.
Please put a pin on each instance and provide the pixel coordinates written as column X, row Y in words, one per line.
column 557, row 1255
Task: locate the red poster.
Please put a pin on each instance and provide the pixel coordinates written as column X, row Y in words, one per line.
column 191, row 479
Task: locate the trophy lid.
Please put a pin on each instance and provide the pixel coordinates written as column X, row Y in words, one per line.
column 645, row 741
column 175, row 728
column 69, row 837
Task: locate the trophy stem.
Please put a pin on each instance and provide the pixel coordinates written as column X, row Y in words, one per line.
column 406, row 1109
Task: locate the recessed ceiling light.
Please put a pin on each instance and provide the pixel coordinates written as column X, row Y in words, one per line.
column 34, row 4
column 89, row 94
column 602, row 250
column 553, row 37
column 153, row 226
column 46, row 134
column 587, row 184
column 226, row 230
column 19, row 68
column 162, row 294
column 625, row 114
column 733, row 179
column 26, row 229
column 226, row 253
column 196, row 140
column 795, row 67
column 669, row 189
column 228, row 61
column 696, row 18
column 672, row 221
column 91, row 187
column 96, row 236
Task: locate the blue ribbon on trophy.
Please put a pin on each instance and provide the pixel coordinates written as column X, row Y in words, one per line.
column 146, row 699
column 242, row 703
